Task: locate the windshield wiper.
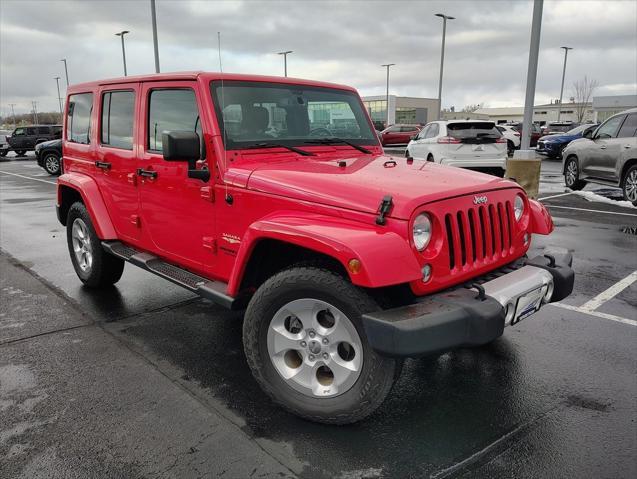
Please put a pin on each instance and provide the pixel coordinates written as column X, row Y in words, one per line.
column 279, row 145
column 334, row 140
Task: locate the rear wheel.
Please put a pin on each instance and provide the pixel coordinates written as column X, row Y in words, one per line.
column 94, row 266
column 306, row 346
column 629, row 185
column 20, row 152
column 571, row 174
column 51, row 162
column 3, row 153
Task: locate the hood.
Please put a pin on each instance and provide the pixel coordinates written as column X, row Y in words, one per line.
column 46, row 144
column 363, row 181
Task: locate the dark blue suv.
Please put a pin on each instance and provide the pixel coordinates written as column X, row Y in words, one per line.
column 552, row 145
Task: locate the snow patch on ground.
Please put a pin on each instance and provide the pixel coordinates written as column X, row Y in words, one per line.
column 592, row 196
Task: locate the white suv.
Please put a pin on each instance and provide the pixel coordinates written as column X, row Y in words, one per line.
column 473, row 144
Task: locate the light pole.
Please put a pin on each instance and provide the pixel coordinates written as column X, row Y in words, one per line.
column 285, row 60
column 121, row 35
column 35, row 112
column 12, row 113
column 66, row 71
column 559, row 108
column 387, row 65
column 442, row 59
column 155, row 45
column 57, row 81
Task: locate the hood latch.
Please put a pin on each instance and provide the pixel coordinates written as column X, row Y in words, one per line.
column 383, row 209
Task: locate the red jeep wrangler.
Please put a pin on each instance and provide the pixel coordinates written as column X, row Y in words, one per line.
column 273, row 195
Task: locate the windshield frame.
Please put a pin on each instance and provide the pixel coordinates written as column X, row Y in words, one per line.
column 229, row 144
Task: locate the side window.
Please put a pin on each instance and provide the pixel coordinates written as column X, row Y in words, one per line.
column 79, row 118
column 609, row 129
column 433, row 130
column 57, row 131
column 423, row 132
column 629, row 128
column 500, row 129
column 18, row 132
column 44, row 130
column 171, row 110
column 118, row 110
column 394, row 129
column 31, row 131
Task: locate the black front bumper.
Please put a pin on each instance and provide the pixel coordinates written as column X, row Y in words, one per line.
column 455, row 318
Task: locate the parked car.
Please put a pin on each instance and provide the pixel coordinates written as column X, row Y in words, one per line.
column 48, row 154
column 606, row 155
column 344, row 259
column 24, row 138
column 473, row 144
column 553, row 145
column 536, row 132
column 379, row 126
column 512, row 137
column 4, row 146
column 398, row 134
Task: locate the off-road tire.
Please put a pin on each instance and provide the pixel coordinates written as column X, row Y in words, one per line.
column 48, row 163
column 3, row 153
column 377, row 374
column 20, row 152
column 575, row 183
column 630, row 173
column 106, row 269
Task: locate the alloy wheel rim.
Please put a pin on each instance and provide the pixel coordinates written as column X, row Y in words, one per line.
column 571, row 173
column 315, row 348
column 631, row 186
column 51, row 163
column 82, row 245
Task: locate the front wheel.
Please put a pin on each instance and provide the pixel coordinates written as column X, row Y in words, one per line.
column 20, row 152
column 51, row 162
column 629, row 185
column 94, row 266
column 3, row 153
column 306, row 346
column 571, row 174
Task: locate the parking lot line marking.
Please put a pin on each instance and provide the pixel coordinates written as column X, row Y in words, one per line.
column 593, row 211
column 555, row 196
column 28, row 177
column 598, row 314
column 610, row 293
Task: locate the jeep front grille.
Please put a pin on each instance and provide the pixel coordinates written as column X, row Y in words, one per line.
column 479, row 234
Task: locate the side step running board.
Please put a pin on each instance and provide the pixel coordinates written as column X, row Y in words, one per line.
column 209, row 289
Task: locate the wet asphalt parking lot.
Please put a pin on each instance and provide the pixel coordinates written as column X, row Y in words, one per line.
column 148, row 380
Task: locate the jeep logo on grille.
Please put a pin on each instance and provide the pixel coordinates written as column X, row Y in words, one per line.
column 480, row 200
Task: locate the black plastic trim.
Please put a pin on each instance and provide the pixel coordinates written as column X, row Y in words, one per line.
column 563, row 274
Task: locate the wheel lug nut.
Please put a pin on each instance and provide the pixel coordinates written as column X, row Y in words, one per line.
column 303, row 344
column 325, row 356
column 325, row 341
column 311, row 357
column 312, row 334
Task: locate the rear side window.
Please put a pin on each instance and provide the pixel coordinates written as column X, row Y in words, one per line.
column 171, row 110
column 31, row 131
column 79, row 118
column 629, row 128
column 472, row 130
column 118, row 110
column 43, row 130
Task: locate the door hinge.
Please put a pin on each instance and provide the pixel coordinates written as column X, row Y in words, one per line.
column 207, row 193
column 136, row 220
column 210, row 243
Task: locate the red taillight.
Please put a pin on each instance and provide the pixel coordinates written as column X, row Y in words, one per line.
column 448, row 139
column 501, row 140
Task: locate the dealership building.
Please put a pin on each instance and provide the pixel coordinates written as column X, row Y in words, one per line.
column 402, row 109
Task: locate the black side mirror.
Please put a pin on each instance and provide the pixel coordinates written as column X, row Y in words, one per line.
column 184, row 146
column 588, row 134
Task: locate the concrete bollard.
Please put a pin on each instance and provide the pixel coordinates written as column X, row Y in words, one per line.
column 524, row 168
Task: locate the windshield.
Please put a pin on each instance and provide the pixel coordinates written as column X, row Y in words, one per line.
column 256, row 112
column 578, row 129
column 560, row 128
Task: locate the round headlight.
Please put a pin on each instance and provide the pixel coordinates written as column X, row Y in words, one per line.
column 421, row 231
column 518, row 207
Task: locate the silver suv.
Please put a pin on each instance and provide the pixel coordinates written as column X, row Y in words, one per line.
column 607, row 155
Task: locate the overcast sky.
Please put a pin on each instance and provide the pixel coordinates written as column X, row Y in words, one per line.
column 344, row 42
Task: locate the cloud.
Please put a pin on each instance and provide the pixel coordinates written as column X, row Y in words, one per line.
column 344, row 42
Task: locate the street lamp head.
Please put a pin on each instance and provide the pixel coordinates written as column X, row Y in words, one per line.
column 286, row 52
column 123, row 32
column 388, row 65
column 567, row 48
column 442, row 15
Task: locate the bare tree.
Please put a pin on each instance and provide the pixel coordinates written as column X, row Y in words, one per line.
column 472, row 108
column 582, row 91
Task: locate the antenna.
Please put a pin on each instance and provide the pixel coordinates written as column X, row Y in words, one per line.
column 225, row 138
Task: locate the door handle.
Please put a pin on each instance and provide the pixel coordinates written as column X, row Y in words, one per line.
column 603, row 147
column 146, row 173
column 103, row 165
column 627, row 146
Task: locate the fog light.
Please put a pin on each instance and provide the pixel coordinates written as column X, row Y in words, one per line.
column 426, row 273
column 354, row 266
column 549, row 293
